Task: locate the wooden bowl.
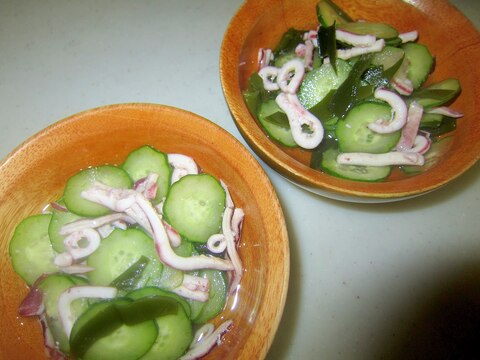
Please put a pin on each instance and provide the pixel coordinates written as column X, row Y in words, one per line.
column 450, row 37
column 35, row 173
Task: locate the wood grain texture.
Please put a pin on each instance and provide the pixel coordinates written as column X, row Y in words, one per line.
column 35, row 173
column 450, row 36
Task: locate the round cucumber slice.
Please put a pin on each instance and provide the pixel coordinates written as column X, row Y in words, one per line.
column 30, row 248
column 194, row 206
column 217, row 297
column 99, row 333
column 318, row 83
column 420, row 62
column 146, row 160
column 107, row 174
column 275, row 123
column 60, row 218
column 174, row 331
column 353, row 172
column 354, row 135
column 52, row 287
column 120, row 250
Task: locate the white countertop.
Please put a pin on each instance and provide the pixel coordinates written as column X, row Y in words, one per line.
column 366, row 280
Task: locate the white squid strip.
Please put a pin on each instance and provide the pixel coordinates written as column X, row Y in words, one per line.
column 182, row 165
column 77, row 292
column 446, row 111
column 230, row 241
column 237, row 222
column 138, row 215
column 354, row 39
column 76, row 269
column 288, row 83
column 269, row 76
column 298, row 117
column 115, row 199
column 194, row 288
column 217, row 243
column 399, row 109
column 205, row 339
column 108, row 196
column 148, row 186
column 308, row 57
column 421, row 145
column 264, row 57
column 410, row 130
column 346, row 54
column 165, row 252
column 391, row 158
column 92, row 238
column 403, row 87
column 300, row 50
column 173, row 235
column 93, row 223
column 408, row 36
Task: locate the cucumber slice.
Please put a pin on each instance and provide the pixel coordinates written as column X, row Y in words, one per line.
column 194, row 207
column 380, row 30
column 30, row 248
column 431, row 120
column 353, row 172
column 120, row 250
column 275, row 122
column 174, row 331
column 170, row 278
column 328, row 13
column 318, row 83
column 438, row 94
column 99, row 333
column 154, row 291
column 146, row 160
column 390, row 58
column 354, row 136
column 52, row 287
column 59, row 218
column 107, row 174
column 202, row 312
column 420, row 63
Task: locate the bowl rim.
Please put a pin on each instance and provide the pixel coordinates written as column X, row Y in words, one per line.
column 277, row 290
column 294, row 171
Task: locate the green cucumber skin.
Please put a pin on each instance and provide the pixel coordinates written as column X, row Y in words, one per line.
column 145, row 160
column 354, row 136
column 30, row 249
column 107, row 174
column 194, row 207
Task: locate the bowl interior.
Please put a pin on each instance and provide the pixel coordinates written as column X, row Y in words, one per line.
column 452, row 39
column 35, row 173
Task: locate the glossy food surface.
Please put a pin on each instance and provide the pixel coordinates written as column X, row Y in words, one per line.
column 450, row 36
column 35, row 173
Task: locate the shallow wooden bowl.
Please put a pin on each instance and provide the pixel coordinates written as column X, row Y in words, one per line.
column 35, row 173
column 450, row 37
